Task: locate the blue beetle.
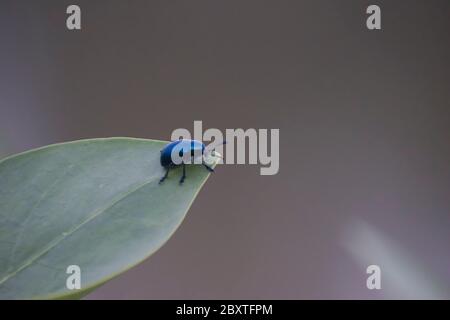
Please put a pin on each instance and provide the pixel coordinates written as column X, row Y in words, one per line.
column 182, row 149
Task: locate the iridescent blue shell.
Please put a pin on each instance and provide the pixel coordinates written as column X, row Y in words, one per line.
column 183, row 147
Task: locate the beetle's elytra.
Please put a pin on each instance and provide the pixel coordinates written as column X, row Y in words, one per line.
column 183, row 147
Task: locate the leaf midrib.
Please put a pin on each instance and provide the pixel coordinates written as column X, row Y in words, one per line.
column 56, row 242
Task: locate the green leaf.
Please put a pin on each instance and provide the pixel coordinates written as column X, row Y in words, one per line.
column 93, row 203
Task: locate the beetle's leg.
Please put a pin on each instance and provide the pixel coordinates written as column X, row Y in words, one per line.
column 184, row 174
column 208, row 167
column 165, row 175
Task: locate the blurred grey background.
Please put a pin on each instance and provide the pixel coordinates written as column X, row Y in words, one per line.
column 364, row 119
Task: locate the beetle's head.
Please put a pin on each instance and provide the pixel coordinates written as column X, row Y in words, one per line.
column 216, row 154
column 211, row 155
column 212, row 150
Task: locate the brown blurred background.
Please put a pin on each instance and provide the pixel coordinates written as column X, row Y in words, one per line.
column 364, row 119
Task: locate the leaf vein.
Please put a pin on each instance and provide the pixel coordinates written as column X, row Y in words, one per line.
column 57, row 241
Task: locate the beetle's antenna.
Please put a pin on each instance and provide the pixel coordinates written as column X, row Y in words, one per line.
column 210, row 149
column 223, row 142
